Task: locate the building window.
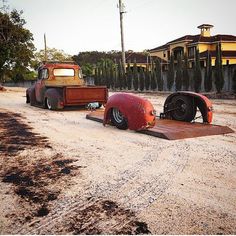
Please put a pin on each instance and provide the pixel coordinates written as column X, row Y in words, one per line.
column 191, row 51
column 164, row 54
column 178, row 51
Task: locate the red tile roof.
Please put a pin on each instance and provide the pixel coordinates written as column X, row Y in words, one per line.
column 205, row 26
column 198, row 39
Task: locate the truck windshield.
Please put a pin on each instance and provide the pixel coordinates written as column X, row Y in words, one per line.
column 63, row 72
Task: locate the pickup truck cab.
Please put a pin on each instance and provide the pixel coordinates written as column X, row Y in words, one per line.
column 61, row 84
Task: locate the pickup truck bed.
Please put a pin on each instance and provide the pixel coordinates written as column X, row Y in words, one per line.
column 81, row 95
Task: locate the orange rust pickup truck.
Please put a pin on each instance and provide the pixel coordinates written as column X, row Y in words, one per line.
column 61, row 84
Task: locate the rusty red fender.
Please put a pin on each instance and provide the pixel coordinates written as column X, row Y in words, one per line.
column 201, row 101
column 138, row 111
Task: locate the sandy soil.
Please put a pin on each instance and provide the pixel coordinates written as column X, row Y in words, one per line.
column 63, row 174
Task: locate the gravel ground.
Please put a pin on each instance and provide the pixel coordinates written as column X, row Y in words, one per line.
column 63, row 174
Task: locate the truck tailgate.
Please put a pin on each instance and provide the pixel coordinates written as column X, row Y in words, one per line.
column 79, row 95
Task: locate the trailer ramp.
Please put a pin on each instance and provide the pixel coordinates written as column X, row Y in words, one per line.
column 173, row 130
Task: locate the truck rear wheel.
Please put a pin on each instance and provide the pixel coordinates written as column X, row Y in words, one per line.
column 27, row 99
column 118, row 119
column 184, row 108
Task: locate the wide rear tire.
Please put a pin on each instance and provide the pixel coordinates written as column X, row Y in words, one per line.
column 184, row 108
column 27, row 98
column 118, row 119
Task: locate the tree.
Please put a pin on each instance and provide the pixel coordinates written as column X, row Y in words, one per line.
column 115, row 76
column 129, row 76
column 153, row 77
column 107, row 68
column 16, row 46
column 197, row 75
column 219, row 77
column 208, row 74
column 185, row 73
column 96, row 76
column 159, row 75
column 234, row 81
column 103, row 72
column 179, row 73
column 87, row 69
column 170, row 72
column 120, row 75
column 99, row 74
column 135, row 76
column 147, row 78
column 141, row 79
column 53, row 54
column 112, row 75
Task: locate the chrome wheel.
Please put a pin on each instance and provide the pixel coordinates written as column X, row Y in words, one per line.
column 118, row 116
column 118, row 119
column 49, row 105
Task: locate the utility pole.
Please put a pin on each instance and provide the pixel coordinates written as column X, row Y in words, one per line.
column 45, row 48
column 122, row 11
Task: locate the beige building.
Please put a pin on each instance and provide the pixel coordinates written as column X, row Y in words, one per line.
column 204, row 42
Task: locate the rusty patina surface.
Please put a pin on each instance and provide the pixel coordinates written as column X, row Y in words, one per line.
column 84, row 95
column 138, row 111
column 62, row 80
column 173, row 130
column 199, row 100
column 61, row 84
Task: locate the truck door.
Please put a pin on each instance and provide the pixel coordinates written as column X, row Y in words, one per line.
column 40, row 84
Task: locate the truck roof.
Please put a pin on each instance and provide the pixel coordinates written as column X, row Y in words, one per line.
column 53, row 64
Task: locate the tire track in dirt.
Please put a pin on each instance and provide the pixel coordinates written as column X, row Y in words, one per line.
column 36, row 181
column 138, row 199
column 142, row 192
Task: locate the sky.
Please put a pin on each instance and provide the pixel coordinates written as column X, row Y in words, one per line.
column 86, row 25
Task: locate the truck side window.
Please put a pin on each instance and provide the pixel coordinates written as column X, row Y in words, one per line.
column 43, row 74
column 80, row 74
column 40, row 74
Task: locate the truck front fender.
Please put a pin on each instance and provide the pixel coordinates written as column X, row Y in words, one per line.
column 199, row 100
column 138, row 111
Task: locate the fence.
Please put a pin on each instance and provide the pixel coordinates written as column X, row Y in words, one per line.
column 228, row 72
column 23, row 84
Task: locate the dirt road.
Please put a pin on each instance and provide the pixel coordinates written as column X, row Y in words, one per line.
column 63, row 174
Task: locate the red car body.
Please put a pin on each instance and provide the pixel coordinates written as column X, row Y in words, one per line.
column 139, row 112
column 199, row 100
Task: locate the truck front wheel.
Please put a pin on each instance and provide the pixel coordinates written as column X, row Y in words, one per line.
column 118, row 119
column 49, row 103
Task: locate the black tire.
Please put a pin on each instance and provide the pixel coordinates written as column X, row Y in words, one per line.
column 32, row 98
column 118, row 119
column 184, row 108
column 27, row 99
